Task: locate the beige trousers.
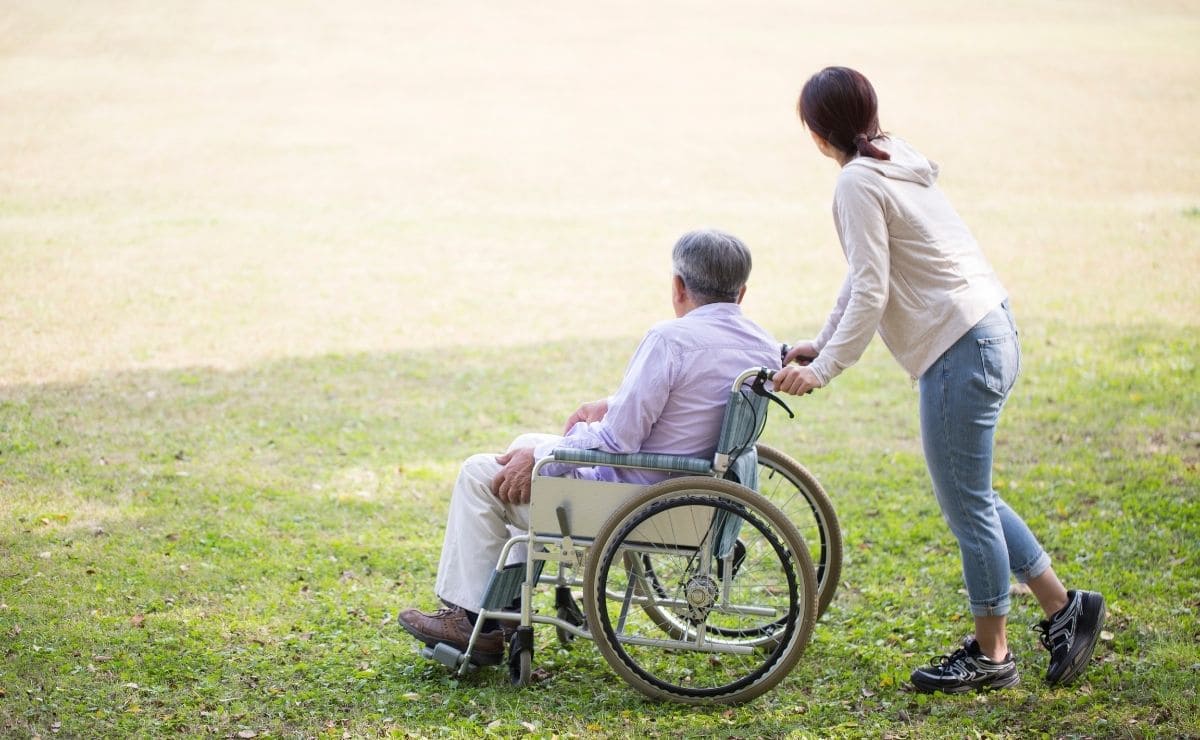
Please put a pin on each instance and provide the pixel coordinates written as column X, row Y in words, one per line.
column 476, row 529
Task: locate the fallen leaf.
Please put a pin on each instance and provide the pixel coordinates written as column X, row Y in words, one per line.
column 137, row 619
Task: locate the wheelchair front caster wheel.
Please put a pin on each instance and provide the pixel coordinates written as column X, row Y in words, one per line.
column 520, row 656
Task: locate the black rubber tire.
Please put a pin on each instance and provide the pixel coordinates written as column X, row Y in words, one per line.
column 800, row 496
column 520, row 656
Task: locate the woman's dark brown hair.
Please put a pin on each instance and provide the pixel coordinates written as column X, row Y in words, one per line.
column 839, row 105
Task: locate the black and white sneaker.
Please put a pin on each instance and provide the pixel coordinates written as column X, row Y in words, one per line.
column 966, row 669
column 1071, row 634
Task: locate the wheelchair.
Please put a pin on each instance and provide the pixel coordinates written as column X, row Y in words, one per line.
column 699, row 589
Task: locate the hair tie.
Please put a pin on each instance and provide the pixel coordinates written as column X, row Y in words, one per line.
column 861, row 139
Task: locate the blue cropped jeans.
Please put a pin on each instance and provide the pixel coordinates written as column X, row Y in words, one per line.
column 962, row 394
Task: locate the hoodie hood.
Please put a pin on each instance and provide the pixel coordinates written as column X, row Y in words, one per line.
column 906, row 164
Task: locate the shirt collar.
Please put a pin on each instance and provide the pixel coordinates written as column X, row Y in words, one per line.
column 715, row 309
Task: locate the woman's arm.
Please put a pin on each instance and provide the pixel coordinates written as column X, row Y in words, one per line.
column 835, row 316
column 862, row 227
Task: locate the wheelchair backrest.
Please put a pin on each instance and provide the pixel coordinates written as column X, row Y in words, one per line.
column 745, row 417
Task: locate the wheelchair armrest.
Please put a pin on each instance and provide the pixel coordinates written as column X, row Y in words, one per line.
column 640, row 460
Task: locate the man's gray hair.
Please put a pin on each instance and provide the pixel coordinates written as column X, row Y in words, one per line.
column 712, row 264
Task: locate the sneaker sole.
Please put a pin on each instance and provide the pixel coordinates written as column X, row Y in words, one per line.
column 1080, row 661
column 1004, row 683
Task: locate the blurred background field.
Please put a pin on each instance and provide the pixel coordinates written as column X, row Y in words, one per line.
column 220, row 184
column 269, row 271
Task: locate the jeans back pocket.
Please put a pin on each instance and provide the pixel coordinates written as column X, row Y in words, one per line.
column 1001, row 362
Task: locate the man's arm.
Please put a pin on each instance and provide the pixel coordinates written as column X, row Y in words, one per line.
column 630, row 413
column 616, row 424
column 634, row 408
column 590, row 411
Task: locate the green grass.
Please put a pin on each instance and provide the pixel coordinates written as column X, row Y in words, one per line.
column 270, row 271
column 210, row 552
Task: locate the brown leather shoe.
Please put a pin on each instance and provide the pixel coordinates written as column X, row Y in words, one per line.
column 452, row 627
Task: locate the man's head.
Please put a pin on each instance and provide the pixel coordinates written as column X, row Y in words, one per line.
column 710, row 267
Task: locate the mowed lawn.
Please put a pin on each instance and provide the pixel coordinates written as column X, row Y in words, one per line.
column 270, row 271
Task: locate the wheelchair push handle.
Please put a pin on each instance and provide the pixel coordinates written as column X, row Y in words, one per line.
column 757, row 378
column 801, row 361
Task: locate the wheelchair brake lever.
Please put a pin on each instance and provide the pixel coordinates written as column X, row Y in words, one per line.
column 759, row 386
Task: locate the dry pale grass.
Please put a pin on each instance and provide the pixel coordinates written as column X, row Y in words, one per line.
column 223, row 183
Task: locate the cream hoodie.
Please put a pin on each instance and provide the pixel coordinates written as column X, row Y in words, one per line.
column 915, row 272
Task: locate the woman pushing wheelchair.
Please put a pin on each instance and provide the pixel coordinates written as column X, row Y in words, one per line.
column 917, row 276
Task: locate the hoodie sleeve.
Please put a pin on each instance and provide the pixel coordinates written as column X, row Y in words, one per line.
column 835, row 316
column 858, row 212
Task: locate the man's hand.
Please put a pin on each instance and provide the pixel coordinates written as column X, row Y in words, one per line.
column 801, row 354
column 511, row 484
column 589, row 412
column 795, row 380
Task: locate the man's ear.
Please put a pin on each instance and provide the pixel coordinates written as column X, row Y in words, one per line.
column 741, row 293
column 678, row 289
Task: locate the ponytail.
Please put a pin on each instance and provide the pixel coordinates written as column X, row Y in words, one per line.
column 867, row 149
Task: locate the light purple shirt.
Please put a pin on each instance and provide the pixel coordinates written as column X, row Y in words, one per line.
column 673, row 395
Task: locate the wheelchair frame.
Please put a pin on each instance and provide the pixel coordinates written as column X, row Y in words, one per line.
column 713, row 648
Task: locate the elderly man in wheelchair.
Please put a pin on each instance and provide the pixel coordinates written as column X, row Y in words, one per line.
column 635, row 492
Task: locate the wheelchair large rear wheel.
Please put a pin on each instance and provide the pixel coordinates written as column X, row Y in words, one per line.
column 798, row 494
column 801, row 498
column 746, row 611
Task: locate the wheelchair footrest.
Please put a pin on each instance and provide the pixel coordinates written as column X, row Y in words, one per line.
column 447, row 655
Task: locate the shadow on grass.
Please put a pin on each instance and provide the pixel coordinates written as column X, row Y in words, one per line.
column 205, row 551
